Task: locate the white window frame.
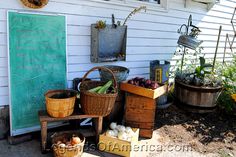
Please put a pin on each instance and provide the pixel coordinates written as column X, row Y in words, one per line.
column 163, row 6
column 150, row 5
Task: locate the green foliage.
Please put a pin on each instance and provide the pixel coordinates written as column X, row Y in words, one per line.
column 226, row 102
column 202, row 70
column 229, row 75
column 100, row 24
column 199, row 75
column 228, row 72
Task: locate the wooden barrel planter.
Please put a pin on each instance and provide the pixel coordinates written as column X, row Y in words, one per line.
column 203, row 97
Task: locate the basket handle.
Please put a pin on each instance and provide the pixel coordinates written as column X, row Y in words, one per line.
column 101, row 68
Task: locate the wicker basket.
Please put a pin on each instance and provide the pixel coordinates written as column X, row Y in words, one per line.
column 67, row 151
column 34, row 6
column 60, row 103
column 94, row 103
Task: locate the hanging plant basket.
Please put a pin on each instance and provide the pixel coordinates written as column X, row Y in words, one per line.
column 35, row 4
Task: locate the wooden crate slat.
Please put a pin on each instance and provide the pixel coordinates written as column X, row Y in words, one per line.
column 153, row 94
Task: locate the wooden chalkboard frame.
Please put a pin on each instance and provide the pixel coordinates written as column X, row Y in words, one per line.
column 34, row 128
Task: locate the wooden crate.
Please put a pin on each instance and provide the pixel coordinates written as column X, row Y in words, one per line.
column 140, row 113
column 145, row 92
column 143, row 125
column 117, row 146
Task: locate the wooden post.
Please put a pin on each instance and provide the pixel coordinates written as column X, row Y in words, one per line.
column 98, row 127
column 217, row 45
column 43, row 136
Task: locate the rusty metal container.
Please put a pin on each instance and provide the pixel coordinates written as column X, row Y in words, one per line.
column 108, row 44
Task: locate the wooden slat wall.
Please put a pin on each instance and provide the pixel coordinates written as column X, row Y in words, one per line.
column 151, row 35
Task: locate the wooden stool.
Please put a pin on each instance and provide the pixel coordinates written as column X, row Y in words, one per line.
column 44, row 118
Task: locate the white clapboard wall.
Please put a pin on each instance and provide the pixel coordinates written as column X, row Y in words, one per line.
column 151, row 35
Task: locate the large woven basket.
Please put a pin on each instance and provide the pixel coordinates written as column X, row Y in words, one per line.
column 67, row 151
column 60, row 103
column 94, row 103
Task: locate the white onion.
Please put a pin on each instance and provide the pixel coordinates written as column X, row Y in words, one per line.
column 115, row 132
column 110, row 133
column 121, row 128
column 113, row 125
column 122, row 136
column 118, row 127
column 128, row 129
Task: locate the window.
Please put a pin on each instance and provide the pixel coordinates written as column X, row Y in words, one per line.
column 152, row 5
column 152, row 1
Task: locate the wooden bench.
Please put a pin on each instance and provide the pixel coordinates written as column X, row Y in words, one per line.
column 44, row 118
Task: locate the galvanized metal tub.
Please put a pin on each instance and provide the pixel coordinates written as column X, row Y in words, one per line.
column 204, row 97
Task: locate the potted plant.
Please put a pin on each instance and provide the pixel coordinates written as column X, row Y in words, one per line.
column 196, row 83
column 199, row 88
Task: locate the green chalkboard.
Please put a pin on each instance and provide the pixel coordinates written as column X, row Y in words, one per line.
column 37, row 62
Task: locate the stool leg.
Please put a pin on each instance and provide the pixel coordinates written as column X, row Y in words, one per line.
column 43, row 136
column 98, row 127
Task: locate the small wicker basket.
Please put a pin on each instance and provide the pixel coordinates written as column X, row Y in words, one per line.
column 67, row 151
column 94, row 103
column 60, row 103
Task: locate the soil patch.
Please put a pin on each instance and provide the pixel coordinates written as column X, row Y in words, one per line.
column 205, row 133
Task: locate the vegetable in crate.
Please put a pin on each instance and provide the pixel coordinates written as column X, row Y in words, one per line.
column 142, row 82
column 120, row 132
column 73, row 141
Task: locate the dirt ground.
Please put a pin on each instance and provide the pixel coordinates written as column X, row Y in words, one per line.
column 177, row 134
column 206, row 133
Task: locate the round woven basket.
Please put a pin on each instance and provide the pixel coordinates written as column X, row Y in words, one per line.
column 94, row 103
column 35, row 4
column 60, row 103
column 67, row 151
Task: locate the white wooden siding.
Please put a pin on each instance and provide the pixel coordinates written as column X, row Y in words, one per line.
column 151, row 35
